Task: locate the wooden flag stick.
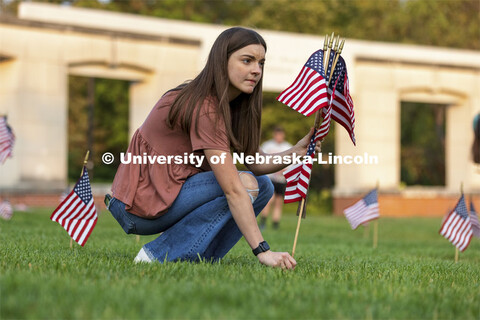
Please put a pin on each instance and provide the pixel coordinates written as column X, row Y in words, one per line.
column 365, row 231
column 81, row 173
column 375, row 224
column 300, row 213
column 337, row 54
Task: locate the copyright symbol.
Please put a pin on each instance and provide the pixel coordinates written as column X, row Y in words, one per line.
column 107, row 158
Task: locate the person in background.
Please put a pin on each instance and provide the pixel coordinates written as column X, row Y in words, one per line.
column 275, row 145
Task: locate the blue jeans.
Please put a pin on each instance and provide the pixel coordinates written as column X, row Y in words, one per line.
column 199, row 223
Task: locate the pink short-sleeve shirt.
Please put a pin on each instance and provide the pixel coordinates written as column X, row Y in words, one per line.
column 149, row 189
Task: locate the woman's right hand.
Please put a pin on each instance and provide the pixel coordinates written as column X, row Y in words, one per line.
column 277, row 259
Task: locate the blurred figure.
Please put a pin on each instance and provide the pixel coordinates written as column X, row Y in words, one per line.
column 476, row 140
column 275, row 145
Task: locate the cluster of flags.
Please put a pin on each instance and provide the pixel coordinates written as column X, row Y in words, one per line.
column 77, row 213
column 458, row 226
column 310, row 92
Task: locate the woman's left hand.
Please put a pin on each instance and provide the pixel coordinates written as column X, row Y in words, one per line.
column 302, row 145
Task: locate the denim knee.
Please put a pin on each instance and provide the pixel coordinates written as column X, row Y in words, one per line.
column 117, row 209
column 265, row 185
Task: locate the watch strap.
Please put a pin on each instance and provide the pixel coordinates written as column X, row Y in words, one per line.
column 262, row 247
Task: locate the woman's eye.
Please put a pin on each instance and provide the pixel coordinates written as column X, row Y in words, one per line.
column 246, row 60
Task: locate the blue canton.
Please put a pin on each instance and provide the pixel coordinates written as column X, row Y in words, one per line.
column 82, row 188
column 371, row 197
column 311, row 146
column 316, row 62
column 338, row 73
column 461, row 208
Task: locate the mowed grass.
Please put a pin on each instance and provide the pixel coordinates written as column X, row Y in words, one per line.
column 411, row 275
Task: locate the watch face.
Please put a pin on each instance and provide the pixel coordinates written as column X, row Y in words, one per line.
column 265, row 246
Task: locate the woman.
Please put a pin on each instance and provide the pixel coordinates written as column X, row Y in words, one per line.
column 203, row 209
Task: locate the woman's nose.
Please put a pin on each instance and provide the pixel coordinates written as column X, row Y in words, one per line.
column 257, row 69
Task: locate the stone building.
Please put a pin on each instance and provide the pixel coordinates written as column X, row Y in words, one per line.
column 45, row 44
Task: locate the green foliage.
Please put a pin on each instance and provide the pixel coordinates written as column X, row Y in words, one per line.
column 411, row 275
column 423, row 144
column 447, row 23
column 450, row 23
column 110, row 126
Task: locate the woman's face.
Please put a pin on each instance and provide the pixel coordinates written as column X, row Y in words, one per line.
column 245, row 68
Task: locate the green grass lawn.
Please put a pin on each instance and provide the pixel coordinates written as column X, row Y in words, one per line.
column 411, row 275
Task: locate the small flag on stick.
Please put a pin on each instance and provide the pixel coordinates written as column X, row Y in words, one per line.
column 77, row 213
column 457, row 227
column 474, row 221
column 6, row 210
column 7, row 140
column 364, row 210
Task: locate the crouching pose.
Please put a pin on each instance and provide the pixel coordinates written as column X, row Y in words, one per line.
column 202, row 208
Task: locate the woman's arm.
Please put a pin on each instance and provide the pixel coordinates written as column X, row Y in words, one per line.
column 300, row 149
column 242, row 210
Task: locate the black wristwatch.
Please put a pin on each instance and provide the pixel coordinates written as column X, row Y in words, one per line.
column 262, row 247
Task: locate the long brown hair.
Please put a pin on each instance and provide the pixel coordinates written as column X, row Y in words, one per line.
column 242, row 115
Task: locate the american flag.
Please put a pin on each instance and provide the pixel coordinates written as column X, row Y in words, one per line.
column 342, row 103
column 6, row 210
column 364, row 210
column 7, row 139
column 77, row 213
column 457, row 227
column 298, row 175
column 474, row 221
column 308, row 92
